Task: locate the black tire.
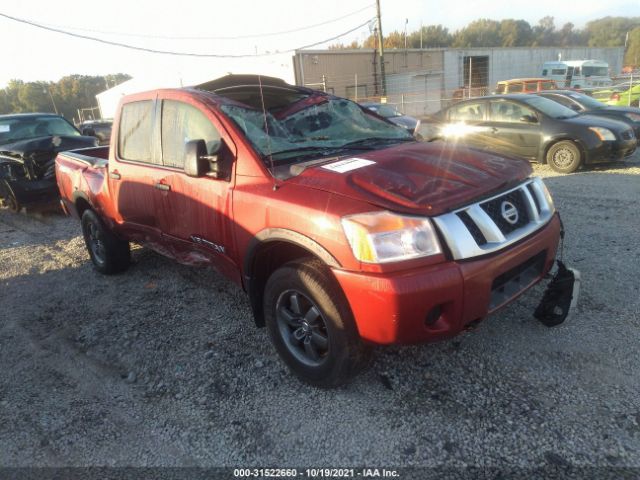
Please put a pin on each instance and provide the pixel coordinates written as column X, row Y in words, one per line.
column 318, row 320
column 11, row 202
column 564, row 157
column 108, row 253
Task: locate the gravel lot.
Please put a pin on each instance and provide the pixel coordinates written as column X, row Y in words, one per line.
column 162, row 366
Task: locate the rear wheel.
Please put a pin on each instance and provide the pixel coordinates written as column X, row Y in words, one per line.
column 108, row 253
column 564, row 157
column 311, row 325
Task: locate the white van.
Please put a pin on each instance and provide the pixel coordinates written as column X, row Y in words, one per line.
column 578, row 73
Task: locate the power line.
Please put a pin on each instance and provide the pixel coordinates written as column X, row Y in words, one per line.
column 239, row 37
column 168, row 52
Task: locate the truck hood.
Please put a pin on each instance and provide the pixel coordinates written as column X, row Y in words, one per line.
column 417, row 178
column 52, row 144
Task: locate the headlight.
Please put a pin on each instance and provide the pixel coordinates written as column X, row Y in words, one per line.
column 382, row 237
column 603, row 134
column 634, row 117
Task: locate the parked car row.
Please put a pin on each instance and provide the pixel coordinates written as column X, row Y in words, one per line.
column 544, row 127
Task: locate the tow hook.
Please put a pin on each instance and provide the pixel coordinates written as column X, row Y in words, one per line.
column 560, row 297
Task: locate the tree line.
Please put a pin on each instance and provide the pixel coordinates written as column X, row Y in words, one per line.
column 65, row 96
column 603, row 32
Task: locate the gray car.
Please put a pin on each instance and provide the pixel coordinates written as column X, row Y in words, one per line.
column 536, row 128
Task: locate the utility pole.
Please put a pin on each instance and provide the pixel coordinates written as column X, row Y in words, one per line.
column 46, row 90
column 381, row 43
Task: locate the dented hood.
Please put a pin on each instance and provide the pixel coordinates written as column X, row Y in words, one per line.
column 49, row 143
column 418, row 178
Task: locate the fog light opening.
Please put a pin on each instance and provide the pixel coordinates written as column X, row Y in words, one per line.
column 433, row 316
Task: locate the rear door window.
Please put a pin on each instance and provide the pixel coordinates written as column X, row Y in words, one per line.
column 468, row 112
column 182, row 123
column 136, row 128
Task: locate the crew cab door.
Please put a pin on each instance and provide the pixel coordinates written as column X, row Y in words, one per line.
column 196, row 211
column 135, row 170
column 515, row 128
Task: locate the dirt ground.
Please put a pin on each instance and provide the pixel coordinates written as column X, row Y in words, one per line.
column 162, row 365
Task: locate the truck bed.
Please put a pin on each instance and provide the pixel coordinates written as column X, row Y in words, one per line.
column 93, row 156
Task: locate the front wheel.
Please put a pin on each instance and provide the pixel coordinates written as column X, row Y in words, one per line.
column 311, row 325
column 108, row 253
column 564, row 157
column 11, row 202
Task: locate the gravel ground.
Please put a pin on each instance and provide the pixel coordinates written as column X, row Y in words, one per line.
column 162, row 366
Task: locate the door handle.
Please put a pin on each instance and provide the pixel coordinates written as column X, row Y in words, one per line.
column 494, row 130
column 163, row 186
column 115, row 175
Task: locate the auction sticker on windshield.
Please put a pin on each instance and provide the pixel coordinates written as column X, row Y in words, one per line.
column 347, row 165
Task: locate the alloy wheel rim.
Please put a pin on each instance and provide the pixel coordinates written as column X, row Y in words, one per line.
column 563, row 157
column 95, row 243
column 302, row 328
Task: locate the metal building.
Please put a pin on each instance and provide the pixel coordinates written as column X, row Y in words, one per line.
column 422, row 81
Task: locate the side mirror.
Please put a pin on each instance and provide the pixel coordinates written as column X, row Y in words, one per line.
column 528, row 119
column 88, row 132
column 198, row 162
column 576, row 108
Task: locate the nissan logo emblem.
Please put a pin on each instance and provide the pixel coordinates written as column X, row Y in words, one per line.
column 509, row 212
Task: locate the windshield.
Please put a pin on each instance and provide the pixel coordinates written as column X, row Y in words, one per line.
column 588, row 71
column 549, row 107
column 586, row 100
column 16, row 129
column 320, row 129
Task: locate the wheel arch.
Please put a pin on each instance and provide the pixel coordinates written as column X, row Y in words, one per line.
column 552, row 141
column 81, row 203
column 268, row 251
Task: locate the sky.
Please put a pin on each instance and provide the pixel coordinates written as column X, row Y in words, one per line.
column 32, row 54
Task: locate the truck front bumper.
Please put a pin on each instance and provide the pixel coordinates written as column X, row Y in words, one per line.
column 440, row 301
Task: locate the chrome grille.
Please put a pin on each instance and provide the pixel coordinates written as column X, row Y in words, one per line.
column 492, row 224
column 494, row 210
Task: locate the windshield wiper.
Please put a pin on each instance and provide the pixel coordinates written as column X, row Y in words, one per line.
column 369, row 143
column 303, row 152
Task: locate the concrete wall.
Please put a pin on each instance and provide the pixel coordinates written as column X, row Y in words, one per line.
column 414, row 76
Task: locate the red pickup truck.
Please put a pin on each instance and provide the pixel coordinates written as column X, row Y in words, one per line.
column 341, row 227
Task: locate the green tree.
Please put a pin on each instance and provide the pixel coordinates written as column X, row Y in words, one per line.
column 610, row 31
column 342, row 46
column 433, row 36
column 69, row 94
column 515, row 33
column 544, row 34
column 479, row 33
column 632, row 55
